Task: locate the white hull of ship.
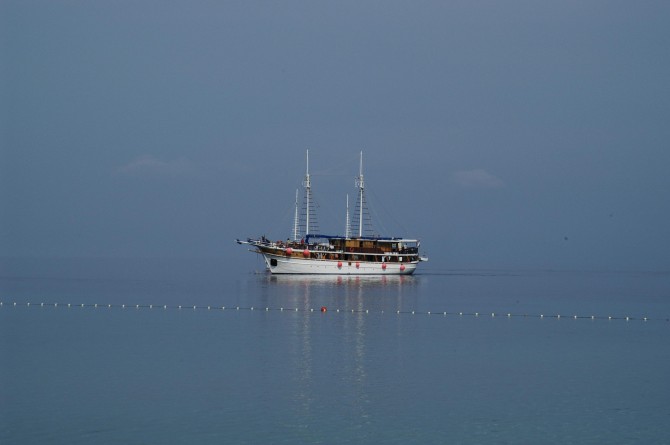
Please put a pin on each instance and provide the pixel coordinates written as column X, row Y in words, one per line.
column 292, row 265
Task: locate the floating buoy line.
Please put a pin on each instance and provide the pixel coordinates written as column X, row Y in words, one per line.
column 324, row 309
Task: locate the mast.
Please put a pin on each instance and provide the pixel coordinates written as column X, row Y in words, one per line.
column 346, row 226
column 296, row 220
column 361, row 186
column 308, row 188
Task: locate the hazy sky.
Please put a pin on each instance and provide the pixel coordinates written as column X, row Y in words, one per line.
column 503, row 134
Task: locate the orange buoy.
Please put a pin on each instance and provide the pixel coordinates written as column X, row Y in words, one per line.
column 289, row 251
column 358, row 264
column 402, row 267
column 324, row 308
column 305, row 253
column 339, row 264
column 384, row 266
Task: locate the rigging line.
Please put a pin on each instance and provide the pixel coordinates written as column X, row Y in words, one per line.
column 394, row 220
column 327, row 215
column 288, row 216
column 346, row 167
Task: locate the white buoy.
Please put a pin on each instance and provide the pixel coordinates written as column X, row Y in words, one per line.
column 509, row 315
column 151, row 306
column 493, row 314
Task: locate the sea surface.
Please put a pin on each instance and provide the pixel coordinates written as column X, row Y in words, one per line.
column 216, row 352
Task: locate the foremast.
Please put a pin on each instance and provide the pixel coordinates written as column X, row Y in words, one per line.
column 305, row 221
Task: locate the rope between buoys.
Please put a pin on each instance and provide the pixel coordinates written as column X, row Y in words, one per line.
column 323, row 310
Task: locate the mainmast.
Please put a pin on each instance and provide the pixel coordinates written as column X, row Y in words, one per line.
column 361, row 186
column 360, row 220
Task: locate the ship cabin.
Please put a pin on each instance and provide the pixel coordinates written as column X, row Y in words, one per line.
column 369, row 249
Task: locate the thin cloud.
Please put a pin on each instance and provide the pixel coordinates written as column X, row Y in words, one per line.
column 148, row 165
column 477, row 178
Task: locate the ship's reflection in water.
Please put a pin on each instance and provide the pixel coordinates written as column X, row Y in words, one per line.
column 330, row 353
column 343, row 292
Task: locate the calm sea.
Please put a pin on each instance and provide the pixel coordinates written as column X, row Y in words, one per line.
column 257, row 361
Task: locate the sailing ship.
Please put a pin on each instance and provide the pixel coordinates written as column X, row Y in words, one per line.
column 309, row 252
